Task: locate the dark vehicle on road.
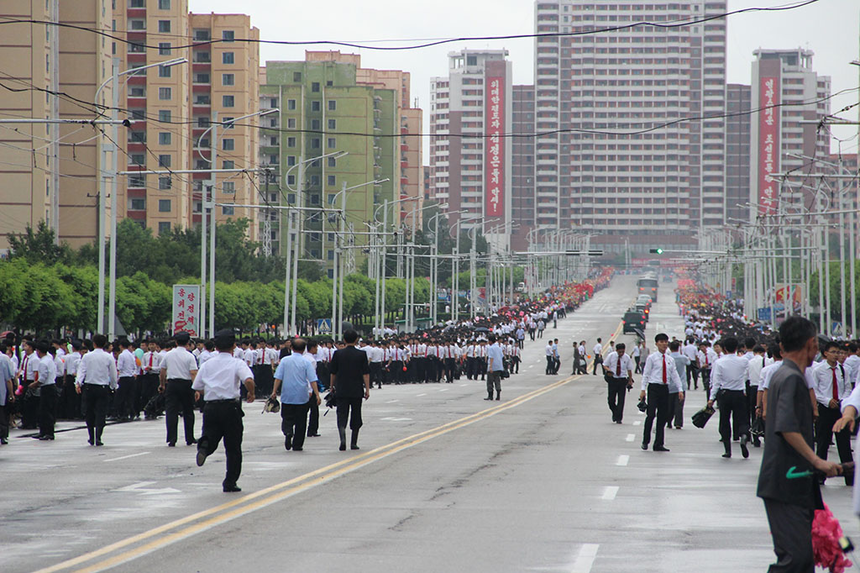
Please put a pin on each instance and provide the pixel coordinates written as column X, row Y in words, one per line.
column 633, row 320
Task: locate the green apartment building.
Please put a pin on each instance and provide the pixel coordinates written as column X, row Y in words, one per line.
column 324, row 110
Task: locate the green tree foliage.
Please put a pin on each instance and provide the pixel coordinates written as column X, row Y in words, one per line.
column 37, row 246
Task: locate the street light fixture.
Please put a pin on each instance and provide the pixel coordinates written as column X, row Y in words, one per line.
column 111, row 174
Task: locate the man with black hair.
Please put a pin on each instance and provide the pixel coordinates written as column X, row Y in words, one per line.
column 495, row 367
column 831, row 389
column 97, row 376
column 28, row 406
column 178, row 370
column 657, row 374
column 790, row 503
column 46, row 386
column 350, row 379
column 676, row 405
column 218, row 382
column 126, row 369
column 728, row 385
column 310, row 354
column 619, row 369
column 7, row 392
column 296, row 386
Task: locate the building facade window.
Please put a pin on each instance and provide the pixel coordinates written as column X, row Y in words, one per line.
column 228, row 211
column 164, row 26
column 164, row 48
column 164, row 160
column 291, row 104
column 165, row 94
column 165, row 183
column 164, row 138
column 163, row 227
column 229, row 187
column 165, row 205
column 228, row 35
column 164, row 4
column 228, row 144
column 164, row 72
column 331, row 143
column 227, row 58
column 137, row 204
column 228, row 79
column 332, row 105
column 228, row 101
column 164, row 115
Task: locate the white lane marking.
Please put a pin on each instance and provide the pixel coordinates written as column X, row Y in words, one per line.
column 622, row 460
column 392, row 401
column 443, row 389
column 609, row 492
column 631, row 437
column 531, row 365
column 637, row 423
column 463, row 385
column 126, row 457
column 419, row 395
column 585, row 559
column 142, row 487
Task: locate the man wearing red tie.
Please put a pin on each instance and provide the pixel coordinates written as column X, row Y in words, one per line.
column 830, row 390
column 659, row 373
column 618, row 370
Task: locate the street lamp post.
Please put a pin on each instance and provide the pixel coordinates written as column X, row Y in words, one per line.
column 111, row 174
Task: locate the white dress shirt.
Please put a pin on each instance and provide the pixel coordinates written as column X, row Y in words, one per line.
column 729, row 373
column 125, row 364
column 72, row 361
column 47, row 370
column 627, row 365
column 180, row 364
column 822, row 378
column 97, row 367
column 653, row 372
column 706, row 359
column 220, row 377
column 767, row 374
column 756, row 365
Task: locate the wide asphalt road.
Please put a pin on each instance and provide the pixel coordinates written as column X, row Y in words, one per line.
column 540, row 481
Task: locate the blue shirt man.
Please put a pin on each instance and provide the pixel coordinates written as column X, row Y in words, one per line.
column 296, row 377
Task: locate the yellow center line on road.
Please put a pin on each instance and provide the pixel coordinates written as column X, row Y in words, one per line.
column 198, row 522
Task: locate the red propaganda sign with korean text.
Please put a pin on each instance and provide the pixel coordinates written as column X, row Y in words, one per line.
column 768, row 144
column 494, row 145
column 186, row 310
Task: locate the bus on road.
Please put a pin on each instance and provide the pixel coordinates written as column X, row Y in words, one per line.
column 648, row 285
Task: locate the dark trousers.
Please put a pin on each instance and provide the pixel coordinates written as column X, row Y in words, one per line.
column 676, row 411
column 791, row 529
column 323, row 376
column 97, row 400
column 148, row 388
column 449, row 370
column 71, row 399
column 179, row 397
column 395, row 372
column 482, row 367
column 733, row 413
column 47, row 409
column 638, row 364
column 752, row 396
column 706, row 380
column 124, row 399
column 223, row 420
column 470, row 367
column 294, row 421
column 29, row 407
column 824, row 434
column 515, row 365
column 264, row 380
column 617, row 395
column 314, row 422
column 349, row 409
column 658, row 406
column 692, row 373
column 376, row 373
column 4, row 421
column 550, row 364
column 598, row 360
column 494, row 380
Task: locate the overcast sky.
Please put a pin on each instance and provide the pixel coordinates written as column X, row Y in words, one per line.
column 831, row 28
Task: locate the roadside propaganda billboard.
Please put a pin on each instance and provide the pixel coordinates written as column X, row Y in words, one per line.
column 494, row 157
column 186, row 310
column 769, row 143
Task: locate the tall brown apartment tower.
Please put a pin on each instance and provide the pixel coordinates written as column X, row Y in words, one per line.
column 50, row 172
column 608, row 173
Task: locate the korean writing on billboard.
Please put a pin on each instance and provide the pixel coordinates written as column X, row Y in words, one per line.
column 769, row 145
column 495, row 148
column 186, row 309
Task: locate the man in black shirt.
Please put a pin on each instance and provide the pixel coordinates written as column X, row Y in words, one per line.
column 350, row 379
column 790, row 503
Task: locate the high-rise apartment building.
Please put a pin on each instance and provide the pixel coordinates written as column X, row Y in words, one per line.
column 50, row 172
column 470, row 155
column 522, row 144
column 619, row 166
column 739, row 110
column 785, row 137
column 326, row 111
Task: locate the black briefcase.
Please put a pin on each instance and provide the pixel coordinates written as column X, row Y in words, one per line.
column 701, row 417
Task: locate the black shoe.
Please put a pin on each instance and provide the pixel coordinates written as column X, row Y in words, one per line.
column 90, row 442
column 201, row 458
column 171, row 444
column 342, row 447
column 232, row 489
column 617, row 421
column 46, row 438
column 3, row 441
column 314, row 435
column 298, row 449
column 288, row 442
column 744, row 449
column 644, row 446
column 490, row 397
column 191, row 443
column 38, row 437
column 99, row 443
column 660, row 449
column 354, row 447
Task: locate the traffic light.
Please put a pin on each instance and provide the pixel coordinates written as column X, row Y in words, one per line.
column 657, row 251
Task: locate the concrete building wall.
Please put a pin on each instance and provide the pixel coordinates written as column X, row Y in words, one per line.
column 523, row 165
column 737, row 152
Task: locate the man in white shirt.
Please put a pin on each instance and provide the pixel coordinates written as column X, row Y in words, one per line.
column 126, row 369
column 618, row 369
column 657, row 374
column 831, row 390
column 689, row 350
column 756, row 365
column 705, row 361
column 598, row 356
column 218, row 383
column 97, row 376
column 177, row 373
column 550, row 358
column 71, row 400
column 728, row 384
column 45, row 382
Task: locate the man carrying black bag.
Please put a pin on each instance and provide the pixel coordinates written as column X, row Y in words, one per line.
column 618, row 373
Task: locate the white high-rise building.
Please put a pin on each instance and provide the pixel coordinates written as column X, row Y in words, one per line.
column 661, row 184
column 470, row 158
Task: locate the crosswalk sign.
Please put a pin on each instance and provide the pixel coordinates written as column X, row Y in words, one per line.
column 324, row 326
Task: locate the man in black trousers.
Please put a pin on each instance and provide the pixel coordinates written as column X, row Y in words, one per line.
column 659, row 372
column 618, row 371
column 350, row 379
column 790, row 503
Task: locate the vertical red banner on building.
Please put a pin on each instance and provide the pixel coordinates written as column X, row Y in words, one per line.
column 494, row 145
column 768, row 143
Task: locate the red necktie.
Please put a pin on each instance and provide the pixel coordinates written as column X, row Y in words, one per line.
column 150, row 360
column 835, row 385
column 664, row 369
column 706, row 357
column 618, row 368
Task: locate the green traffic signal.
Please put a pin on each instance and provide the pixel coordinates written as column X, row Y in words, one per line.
column 657, row 251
